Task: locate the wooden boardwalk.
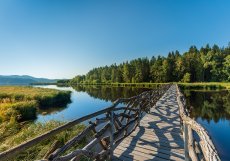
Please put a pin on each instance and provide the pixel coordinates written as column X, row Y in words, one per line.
column 158, row 137
column 122, row 133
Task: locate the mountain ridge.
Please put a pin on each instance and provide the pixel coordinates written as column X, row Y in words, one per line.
column 23, row 79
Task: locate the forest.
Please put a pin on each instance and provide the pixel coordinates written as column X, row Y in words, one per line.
column 207, row 64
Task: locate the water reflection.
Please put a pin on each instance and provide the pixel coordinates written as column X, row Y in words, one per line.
column 86, row 100
column 109, row 93
column 212, row 110
column 209, row 105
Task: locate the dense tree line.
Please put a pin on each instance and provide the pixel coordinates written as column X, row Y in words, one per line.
column 196, row 65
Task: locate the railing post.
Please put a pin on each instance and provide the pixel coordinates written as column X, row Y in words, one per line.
column 149, row 102
column 186, row 142
column 111, row 135
column 139, row 114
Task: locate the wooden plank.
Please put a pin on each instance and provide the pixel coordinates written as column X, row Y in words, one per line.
column 162, row 119
column 150, row 152
column 169, row 151
column 157, row 138
column 136, row 154
column 119, row 157
column 147, row 129
column 159, row 132
column 163, row 127
column 156, row 145
column 118, row 154
column 160, row 142
column 163, row 136
column 171, row 121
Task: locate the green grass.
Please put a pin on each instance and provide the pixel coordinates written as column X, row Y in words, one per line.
column 12, row 135
column 205, row 85
column 44, row 96
column 18, row 110
column 20, row 103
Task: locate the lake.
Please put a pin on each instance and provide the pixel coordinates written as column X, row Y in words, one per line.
column 86, row 100
column 209, row 108
column 212, row 110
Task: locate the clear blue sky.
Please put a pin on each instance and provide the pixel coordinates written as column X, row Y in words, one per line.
column 63, row 38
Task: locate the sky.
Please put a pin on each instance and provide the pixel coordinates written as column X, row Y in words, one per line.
column 65, row 38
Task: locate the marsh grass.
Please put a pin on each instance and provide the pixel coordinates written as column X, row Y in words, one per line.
column 18, row 110
column 17, row 134
column 21, row 103
column 205, row 85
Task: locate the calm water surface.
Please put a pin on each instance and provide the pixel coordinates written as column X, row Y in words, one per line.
column 212, row 110
column 86, row 100
column 209, row 108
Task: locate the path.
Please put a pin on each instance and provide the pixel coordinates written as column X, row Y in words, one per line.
column 158, row 137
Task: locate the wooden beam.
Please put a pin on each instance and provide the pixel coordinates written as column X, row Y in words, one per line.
column 72, row 141
column 191, row 147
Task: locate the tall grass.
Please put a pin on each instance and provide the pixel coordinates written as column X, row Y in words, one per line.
column 205, row 85
column 19, row 110
column 16, row 134
column 21, row 103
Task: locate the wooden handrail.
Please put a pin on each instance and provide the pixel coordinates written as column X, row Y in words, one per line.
column 208, row 149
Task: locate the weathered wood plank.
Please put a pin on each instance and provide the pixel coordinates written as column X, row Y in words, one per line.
column 154, row 137
column 153, row 152
column 163, row 141
column 159, row 132
column 137, row 154
column 168, row 151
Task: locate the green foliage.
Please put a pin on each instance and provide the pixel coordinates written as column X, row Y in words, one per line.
column 63, row 81
column 127, row 73
column 186, row 78
column 226, row 69
column 204, row 65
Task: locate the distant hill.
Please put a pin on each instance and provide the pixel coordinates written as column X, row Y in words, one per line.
column 23, row 80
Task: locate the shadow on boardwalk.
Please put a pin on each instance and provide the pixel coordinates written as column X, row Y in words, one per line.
column 158, row 137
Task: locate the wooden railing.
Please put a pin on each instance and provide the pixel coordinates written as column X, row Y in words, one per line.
column 195, row 149
column 111, row 126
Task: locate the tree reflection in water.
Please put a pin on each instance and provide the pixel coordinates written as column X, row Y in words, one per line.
column 209, row 105
column 109, row 93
